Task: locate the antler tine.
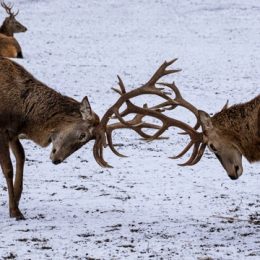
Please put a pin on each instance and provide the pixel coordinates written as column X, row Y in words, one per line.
column 7, row 8
column 121, row 85
column 135, row 124
column 117, row 91
column 197, row 153
column 225, row 106
column 162, row 72
column 98, row 152
column 16, row 13
column 193, row 155
column 184, row 151
column 180, row 101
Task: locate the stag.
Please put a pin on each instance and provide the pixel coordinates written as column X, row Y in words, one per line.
column 39, row 113
column 31, row 109
column 230, row 134
column 10, row 24
column 9, row 46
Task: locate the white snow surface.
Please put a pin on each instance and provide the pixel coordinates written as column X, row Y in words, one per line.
column 146, row 207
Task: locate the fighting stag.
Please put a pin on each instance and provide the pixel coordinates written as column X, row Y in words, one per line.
column 31, row 109
column 9, row 46
column 230, row 134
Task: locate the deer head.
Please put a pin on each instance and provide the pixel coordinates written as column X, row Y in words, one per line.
column 70, row 136
column 221, row 144
column 10, row 24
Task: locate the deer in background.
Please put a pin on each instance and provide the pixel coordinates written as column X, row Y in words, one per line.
column 9, row 46
column 230, row 134
column 10, row 24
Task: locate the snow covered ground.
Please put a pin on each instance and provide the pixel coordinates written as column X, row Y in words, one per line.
column 146, row 207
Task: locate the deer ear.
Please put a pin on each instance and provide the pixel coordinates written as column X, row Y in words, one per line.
column 205, row 121
column 85, row 109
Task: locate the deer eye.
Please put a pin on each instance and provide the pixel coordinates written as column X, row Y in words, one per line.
column 82, row 136
column 213, row 148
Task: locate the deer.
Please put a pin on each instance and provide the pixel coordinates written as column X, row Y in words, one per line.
column 9, row 46
column 10, row 24
column 32, row 110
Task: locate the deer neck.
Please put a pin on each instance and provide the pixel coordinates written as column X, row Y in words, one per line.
column 44, row 110
column 5, row 31
column 41, row 132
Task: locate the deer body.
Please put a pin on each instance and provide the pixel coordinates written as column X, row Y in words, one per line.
column 9, row 46
column 31, row 108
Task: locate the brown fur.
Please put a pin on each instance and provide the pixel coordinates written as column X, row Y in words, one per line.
column 9, row 47
column 241, row 124
column 29, row 99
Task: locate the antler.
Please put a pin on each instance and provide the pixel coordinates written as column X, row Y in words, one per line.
column 103, row 132
column 8, row 9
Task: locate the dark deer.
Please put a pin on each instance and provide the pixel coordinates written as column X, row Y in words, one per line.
column 9, row 46
column 230, row 134
column 10, row 24
column 31, row 109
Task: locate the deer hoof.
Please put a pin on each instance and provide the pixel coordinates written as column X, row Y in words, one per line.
column 16, row 213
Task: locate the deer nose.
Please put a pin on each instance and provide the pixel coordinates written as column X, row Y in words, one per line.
column 237, row 172
column 56, row 162
column 233, row 177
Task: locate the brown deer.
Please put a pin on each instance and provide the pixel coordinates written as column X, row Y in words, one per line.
column 9, row 46
column 10, row 24
column 230, row 134
column 31, row 109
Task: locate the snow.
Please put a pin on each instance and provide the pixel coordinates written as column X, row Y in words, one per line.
column 146, row 207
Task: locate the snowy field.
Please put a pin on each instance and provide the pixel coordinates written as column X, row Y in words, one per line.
column 146, row 207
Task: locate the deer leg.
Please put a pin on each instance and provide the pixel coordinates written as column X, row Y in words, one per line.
column 18, row 152
column 7, row 168
column 258, row 123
